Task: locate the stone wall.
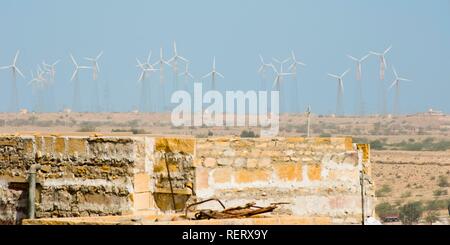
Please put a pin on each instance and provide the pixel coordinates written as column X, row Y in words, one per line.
column 317, row 177
column 79, row 176
column 92, row 175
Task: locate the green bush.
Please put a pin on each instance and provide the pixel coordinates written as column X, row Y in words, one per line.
column 411, row 212
column 440, row 192
column 385, row 209
column 406, row 194
column 248, row 134
column 443, row 181
column 376, row 145
column 437, row 204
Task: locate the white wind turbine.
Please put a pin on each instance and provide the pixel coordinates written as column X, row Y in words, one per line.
column 293, row 68
column 277, row 82
column 358, row 65
column 262, row 72
column 340, row 91
column 382, row 88
column 383, row 63
column 360, row 100
column 278, row 76
column 51, row 69
column 146, row 68
column 281, row 62
column 76, row 90
column 95, row 67
column 213, row 74
column 38, row 84
column 161, row 63
column 396, row 83
column 186, row 73
column 175, row 58
column 15, row 70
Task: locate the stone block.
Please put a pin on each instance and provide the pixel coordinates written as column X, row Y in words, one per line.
column 60, row 145
column 288, row 171
column 222, row 175
column 141, row 182
column 76, row 146
column 175, row 145
column 314, row 172
column 201, row 178
column 249, row 176
column 264, row 162
column 142, row 200
column 252, row 162
column 210, row 162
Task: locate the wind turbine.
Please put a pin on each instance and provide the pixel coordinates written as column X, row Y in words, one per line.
column 293, row 68
column 38, row 83
column 383, row 63
column 340, row 91
column 51, row 70
column 277, row 81
column 95, row 67
column 360, row 100
column 359, row 65
column 281, row 62
column 278, row 76
column 15, row 70
column 382, row 89
column 186, row 73
column 396, row 83
column 262, row 71
column 76, row 91
column 161, row 62
column 175, row 58
column 145, row 69
column 213, row 74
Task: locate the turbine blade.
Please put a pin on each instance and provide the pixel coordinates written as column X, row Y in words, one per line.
column 16, row 57
column 365, row 57
column 393, row 83
column 73, row 60
column 334, row 76
column 395, row 72
column 74, row 74
column 343, row 74
column 387, row 50
column 18, row 71
column 220, row 75
column 351, row 57
column 99, row 55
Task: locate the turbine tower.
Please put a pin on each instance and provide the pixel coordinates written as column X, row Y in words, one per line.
column 146, row 68
column 359, row 107
column 161, row 62
column 38, row 84
column 74, row 78
column 186, row 74
column 340, row 92
column 95, row 72
column 213, row 74
column 51, row 71
column 14, row 104
column 174, row 61
column 277, row 83
column 293, row 68
column 396, row 83
column 262, row 71
column 95, row 67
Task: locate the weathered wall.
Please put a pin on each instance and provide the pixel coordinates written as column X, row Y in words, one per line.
column 112, row 175
column 318, row 177
column 80, row 176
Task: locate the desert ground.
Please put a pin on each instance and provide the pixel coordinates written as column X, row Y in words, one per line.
column 410, row 153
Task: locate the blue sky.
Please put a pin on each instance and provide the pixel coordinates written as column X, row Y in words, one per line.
column 321, row 33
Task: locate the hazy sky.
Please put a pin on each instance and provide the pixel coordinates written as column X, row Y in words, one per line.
column 321, row 32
